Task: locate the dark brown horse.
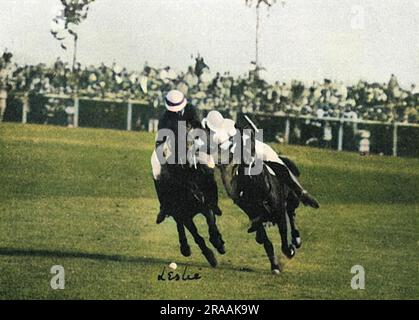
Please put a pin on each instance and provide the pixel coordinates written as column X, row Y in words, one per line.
column 191, row 190
column 265, row 199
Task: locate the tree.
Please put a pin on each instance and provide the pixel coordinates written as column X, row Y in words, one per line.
column 5, row 64
column 258, row 4
column 72, row 14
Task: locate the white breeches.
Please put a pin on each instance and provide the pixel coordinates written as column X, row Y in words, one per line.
column 266, row 153
column 155, row 166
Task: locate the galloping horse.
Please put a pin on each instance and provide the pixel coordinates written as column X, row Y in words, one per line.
column 188, row 189
column 265, row 199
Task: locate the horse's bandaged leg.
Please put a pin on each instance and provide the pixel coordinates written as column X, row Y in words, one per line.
column 155, row 166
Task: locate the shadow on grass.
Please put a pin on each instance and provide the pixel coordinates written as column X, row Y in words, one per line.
column 20, row 252
column 75, row 254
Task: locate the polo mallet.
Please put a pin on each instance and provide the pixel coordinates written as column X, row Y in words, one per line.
column 251, row 123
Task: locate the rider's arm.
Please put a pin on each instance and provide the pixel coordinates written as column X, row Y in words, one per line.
column 163, row 124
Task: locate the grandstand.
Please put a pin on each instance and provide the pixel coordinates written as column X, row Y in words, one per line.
column 109, row 96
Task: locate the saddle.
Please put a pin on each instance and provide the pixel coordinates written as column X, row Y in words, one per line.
column 245, row 189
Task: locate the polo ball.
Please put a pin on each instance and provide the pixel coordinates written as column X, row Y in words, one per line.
column 173, row 266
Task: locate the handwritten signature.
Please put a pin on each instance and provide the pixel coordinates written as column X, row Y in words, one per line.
column 175, row 276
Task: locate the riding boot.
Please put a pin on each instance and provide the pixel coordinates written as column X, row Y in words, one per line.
column 291, row 181
column 162, row 195
column 210, row 190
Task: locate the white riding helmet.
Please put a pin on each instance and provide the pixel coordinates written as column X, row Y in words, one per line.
column 223, row 128
column 175, row 101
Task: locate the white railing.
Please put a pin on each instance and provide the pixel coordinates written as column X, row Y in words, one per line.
column 77, row 99
column 130, row 102
column 341, row 121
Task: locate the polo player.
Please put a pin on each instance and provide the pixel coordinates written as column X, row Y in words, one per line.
column 179, row 113
column 225, row 131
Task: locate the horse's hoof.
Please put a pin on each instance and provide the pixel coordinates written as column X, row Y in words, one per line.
column 297, row 242
column 296, row 239
column 185, row 250
column 289, row 252
column 219, row 245
column 221, row 249
column 276, row 269
column 210, row 258
column 276, row 272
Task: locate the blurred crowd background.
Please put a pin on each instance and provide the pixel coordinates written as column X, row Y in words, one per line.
column 208, row 90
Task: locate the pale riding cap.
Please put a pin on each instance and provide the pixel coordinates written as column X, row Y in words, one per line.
column 224, row 129
column 175, row 101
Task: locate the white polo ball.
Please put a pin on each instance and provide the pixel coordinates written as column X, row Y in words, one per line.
column 173, row 266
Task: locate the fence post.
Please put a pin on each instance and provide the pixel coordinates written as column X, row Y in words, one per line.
column 395, row 139
column 25, row 108
column 287, row 130
column 76, row 111
column 340, row 136
column 3, row 103
column 129, row 116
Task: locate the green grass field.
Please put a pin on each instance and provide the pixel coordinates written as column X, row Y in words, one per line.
column 84, row 199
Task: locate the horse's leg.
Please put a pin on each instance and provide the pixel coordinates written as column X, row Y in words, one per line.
column 185, row 249
column 262, row 238
column 209, row 255
column 215, row 236
column 292, row 205
column 295, row 233
column 288, row 249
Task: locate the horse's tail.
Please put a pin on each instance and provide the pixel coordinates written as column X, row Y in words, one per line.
column 291, row 165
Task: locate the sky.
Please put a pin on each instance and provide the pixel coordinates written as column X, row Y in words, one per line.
column 309, row 40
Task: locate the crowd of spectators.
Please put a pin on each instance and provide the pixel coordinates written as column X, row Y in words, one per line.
column 206, row 89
